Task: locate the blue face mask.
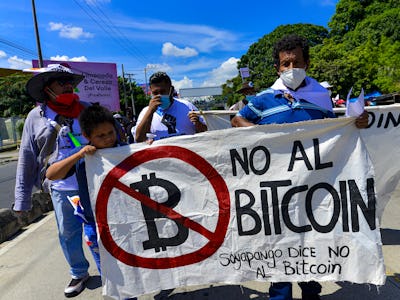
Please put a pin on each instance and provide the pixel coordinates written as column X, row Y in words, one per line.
column 165, row 102
column 250, row 97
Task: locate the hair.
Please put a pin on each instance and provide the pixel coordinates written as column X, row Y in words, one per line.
column 291, row 42
column 159, row 77
column 94, row 115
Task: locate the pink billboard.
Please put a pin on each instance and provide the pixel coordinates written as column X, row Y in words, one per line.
column 100, row 83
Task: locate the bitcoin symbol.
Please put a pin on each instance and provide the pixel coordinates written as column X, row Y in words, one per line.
column 174, row 195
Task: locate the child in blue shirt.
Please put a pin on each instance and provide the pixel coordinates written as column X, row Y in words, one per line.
column 99, row 128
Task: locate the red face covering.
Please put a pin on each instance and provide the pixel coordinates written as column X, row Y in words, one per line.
column 67, row 105
column 67, row 99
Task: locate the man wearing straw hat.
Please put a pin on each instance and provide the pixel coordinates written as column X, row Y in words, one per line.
column 48, row 131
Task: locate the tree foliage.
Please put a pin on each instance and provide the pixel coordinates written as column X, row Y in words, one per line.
column 131, row 90
column 361, row 49
column 14, row 100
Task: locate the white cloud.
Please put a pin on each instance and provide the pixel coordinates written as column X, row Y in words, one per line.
column 79, row 58
column 59, row 57
column 55, row 26
column 2, row 54
column 69, row 32
column 170, row 49
column 66, row 58
column 18, row 63
column 184, row 83
column 227, row 70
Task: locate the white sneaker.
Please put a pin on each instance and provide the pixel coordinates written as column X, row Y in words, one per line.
column 76, row 286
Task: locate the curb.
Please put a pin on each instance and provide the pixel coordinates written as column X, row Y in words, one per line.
column 10, row 224
column 5, row 160
column 7, row 148
column 8, row 154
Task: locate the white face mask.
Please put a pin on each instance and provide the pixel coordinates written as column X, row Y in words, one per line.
column 292, row 78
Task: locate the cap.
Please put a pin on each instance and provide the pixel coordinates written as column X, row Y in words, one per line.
column 245, row 87
column 325, row 84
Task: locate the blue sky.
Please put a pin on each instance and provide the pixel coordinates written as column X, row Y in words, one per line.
column 197, row 43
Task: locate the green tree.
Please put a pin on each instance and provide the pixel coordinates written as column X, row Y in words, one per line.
column 14, row 99
column 131, row 90
column 363, row 48
column 388, row 72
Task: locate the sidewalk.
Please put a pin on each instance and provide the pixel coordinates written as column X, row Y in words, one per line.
column 33, row 267
column 41, row 203
column 10, row 154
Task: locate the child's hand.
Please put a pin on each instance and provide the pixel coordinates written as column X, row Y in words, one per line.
column 149, row 141
column 88, row 149
column 362, row 120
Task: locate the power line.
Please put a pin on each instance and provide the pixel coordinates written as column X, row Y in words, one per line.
column 121, row 33
column 16, row 46
column 118, row 40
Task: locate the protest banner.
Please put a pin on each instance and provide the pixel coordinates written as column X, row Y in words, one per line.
column 244, row 72
column 291, row 202
column 99, row 85
column 380, row 136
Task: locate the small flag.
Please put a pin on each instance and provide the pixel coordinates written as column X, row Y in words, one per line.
column 355, row 107
column 78, row 209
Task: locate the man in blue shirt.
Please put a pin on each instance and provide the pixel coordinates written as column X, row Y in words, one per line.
column 292, row 98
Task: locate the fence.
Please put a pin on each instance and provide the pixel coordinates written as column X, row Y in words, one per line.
column 10, row 132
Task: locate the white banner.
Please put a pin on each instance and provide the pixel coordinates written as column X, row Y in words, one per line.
column 381, row 138
column 293, row 202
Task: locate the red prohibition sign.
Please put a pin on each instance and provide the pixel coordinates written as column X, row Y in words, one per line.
column 215, row 239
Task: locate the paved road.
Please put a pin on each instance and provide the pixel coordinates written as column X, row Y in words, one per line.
column 32, row 267
column 7, row 183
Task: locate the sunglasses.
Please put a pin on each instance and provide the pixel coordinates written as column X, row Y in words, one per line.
column 64, row 81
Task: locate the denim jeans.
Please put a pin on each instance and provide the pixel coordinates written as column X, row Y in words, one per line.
column 90, row 236
column 69, row 233
column 283, row 290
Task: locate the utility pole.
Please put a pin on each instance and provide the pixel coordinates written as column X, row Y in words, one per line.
column 133, row 102
column 124, row 88
column 145, row 76
column 145, row 79
column 40, row 58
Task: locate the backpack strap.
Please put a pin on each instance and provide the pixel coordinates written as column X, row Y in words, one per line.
column 57, row 128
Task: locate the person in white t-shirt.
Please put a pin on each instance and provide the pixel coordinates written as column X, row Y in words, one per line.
column 166, row 115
